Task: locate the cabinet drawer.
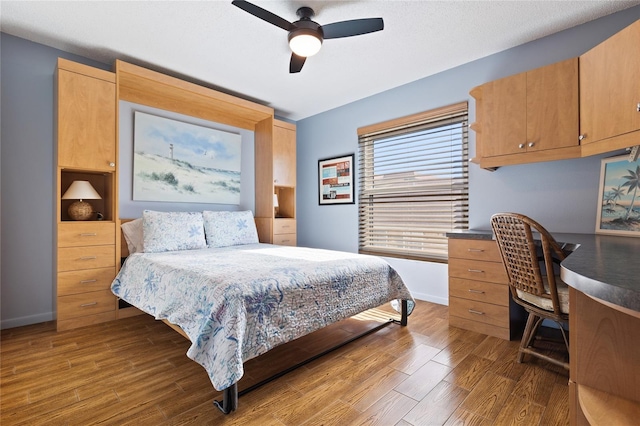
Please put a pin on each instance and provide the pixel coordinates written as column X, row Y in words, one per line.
column 94, row 233
column 71, row 323
column 284, row 226
column 478, row 271
column 479, row 311
column 284, row 239
column 474, row 249
column 93, row 302
column 482, row 328
column 76, row 258
column 73, row 282
column 481, row 291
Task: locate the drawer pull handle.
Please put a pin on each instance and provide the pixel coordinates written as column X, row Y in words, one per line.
column 473, row 311
column 86, row 305
column 285, row 241
column 476, row 291
column 89, row 234
column 476, row 270
column 93, row 281
column 475, row 250
column 89, row 258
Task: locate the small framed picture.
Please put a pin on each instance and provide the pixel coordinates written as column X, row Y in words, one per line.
column 619, row 197
column 335, row 178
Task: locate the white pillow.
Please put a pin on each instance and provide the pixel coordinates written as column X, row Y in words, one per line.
column 229, row 228
column 170, row 231
column 132, row 232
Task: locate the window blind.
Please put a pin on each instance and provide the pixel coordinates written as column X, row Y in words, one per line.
column 413, row 183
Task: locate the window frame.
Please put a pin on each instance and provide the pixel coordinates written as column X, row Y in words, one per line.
column 458, row 195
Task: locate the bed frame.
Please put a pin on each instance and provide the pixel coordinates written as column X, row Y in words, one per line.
column 231, row 394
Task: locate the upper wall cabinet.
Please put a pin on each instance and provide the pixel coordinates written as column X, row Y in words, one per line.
column 528, row 117
column 275, row 161
column 610, row 93
column 86, row 117
column 284, row 154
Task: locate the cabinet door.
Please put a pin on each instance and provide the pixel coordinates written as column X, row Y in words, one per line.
column 610, row 86
column 284, row 154
column 504, row 115
column 552, row 106
column 86, row 122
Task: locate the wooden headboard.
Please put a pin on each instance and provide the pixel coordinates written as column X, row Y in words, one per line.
column 124, row 249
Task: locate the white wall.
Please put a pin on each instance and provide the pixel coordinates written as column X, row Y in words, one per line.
column 562, row 195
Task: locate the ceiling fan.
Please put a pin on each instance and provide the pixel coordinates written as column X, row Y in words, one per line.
column 305, row 35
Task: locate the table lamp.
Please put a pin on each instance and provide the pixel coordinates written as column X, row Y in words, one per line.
column 80, row 190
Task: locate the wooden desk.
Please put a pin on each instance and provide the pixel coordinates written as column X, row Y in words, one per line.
column 604, row 324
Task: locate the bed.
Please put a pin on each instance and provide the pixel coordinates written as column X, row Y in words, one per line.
column 236, row 299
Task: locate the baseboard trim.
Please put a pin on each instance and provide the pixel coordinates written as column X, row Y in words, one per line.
column 431, row 298
column 26, row 320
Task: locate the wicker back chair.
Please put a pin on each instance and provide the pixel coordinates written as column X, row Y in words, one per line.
column 538, row 289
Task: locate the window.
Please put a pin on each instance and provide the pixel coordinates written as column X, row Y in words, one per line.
column 413, row 184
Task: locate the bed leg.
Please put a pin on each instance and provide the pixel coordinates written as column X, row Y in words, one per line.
column 229, row 399
column 404, row 313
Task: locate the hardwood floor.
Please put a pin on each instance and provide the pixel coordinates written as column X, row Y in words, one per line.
column 135, row 371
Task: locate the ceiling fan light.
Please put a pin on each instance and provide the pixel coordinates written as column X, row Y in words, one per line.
column 305, row 44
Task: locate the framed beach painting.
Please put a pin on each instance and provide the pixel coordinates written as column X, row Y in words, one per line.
column 175, row 161
column 619, row 197
column 335, row 179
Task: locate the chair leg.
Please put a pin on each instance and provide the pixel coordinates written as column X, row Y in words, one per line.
column 530, row 330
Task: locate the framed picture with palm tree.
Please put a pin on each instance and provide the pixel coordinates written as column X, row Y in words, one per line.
column 619, row 197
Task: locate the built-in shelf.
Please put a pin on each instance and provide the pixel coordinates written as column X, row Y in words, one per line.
column 102, row 182
column 603, row 408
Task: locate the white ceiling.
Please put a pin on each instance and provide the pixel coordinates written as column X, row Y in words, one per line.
column 221, row 46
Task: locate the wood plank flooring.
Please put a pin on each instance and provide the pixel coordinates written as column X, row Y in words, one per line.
column 135, row 371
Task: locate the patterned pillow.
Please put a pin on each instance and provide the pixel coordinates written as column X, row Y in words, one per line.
column 229, row 228
column 169, row 231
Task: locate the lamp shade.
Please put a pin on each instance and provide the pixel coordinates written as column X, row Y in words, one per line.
column 81, row 189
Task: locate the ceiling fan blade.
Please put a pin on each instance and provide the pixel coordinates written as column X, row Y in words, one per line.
column 296, row 63
column 263, row 14
column 352, row 28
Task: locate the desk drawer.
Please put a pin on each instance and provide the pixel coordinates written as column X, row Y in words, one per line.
column 77, row 258
column 284, row 226
column 474, row 249
column 93, row 233
column 497, row 294
column 487, row 313
column 478, row 270
column 74, row 282
column 93, row 302
column 284, row 239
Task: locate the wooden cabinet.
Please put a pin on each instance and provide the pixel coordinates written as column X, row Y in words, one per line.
column 86, row 255
column 86, row 117
column 610, row 93
column 528, row 117
column 284, row 232
column 276, row 175
column 604, row 378
column 479, row 297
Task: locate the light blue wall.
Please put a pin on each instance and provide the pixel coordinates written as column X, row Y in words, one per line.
column 27, row 289
column 27, row 179
column 562, row 195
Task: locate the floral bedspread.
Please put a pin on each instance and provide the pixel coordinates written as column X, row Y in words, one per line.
column 237, row 302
